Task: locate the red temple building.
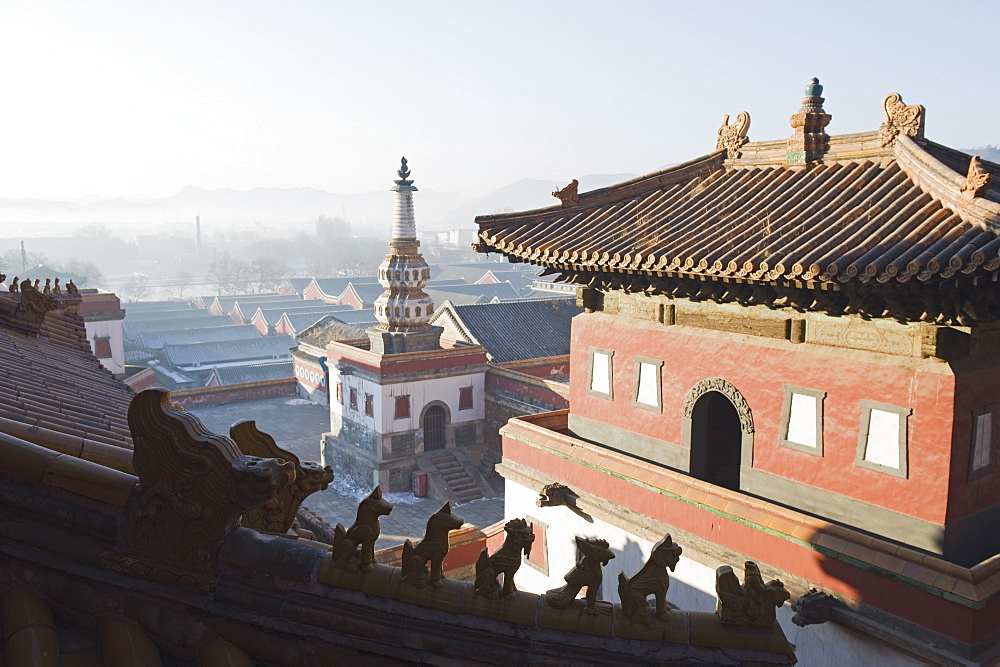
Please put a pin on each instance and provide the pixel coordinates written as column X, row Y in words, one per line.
column 788, row 355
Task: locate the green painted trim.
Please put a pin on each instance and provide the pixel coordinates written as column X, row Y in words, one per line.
column 836, row 555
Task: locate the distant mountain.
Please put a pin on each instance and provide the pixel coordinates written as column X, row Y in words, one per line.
column 523, row 195
column 991, row 153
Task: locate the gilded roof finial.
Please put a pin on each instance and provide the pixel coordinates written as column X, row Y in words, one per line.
column 900, row 118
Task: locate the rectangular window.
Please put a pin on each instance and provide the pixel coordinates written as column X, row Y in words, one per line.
column 354, row 398
column 882, row 438
column 465, row 398
column 402, row 407
column 102, row 348
column 802, row 420
column 983, row 437
column 369, row 405
column 340, row 393
column 600, row 379
column 538, row 558
column 646, row 393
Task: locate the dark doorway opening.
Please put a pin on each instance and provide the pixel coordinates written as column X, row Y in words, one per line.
column 434, row 423
column 716, row 441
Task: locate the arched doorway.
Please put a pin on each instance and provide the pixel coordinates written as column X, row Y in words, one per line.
column 434, row 422
column 716, row 441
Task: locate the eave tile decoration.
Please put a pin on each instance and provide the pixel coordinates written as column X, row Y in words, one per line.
column 870, row 228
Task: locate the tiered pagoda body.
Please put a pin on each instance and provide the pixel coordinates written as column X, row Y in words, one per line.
column 401, row 402
column 790, row 355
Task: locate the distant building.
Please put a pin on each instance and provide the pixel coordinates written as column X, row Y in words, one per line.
column 402, row 403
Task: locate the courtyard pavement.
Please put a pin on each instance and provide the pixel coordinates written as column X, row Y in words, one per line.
column 296, row 425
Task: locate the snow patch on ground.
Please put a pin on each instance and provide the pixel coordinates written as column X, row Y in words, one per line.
column 345, row 487
column 299, row 401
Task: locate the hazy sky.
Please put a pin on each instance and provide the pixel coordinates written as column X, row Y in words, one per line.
column 116, row 98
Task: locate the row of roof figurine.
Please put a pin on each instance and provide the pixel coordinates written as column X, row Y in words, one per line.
column 752, row 603
column 48, row 288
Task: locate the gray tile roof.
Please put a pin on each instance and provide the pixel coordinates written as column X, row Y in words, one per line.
column 157, row 339
column 298, row 285
column 230, row 375
column 512, row 330
column 131, row 329
column 226, row 303
column 469, row 294
column 272, row 315
column 302, row 321
column 336, row 286
column 368, row 292
column 260, row 348
column 176, row 314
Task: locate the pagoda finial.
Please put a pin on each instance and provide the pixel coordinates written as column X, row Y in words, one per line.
column 404, row 174
column 809, row 141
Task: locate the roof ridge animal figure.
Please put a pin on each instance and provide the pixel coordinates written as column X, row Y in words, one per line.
column 596, row 555
column 14, row 285
column 55, row 287
column 48, row 286
column 651, row 579
column 754, row 603
column 505, row 560
column 433, row 548
column 362, row 534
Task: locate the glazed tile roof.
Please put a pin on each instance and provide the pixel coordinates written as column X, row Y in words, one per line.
column 255, row 373
column 865, row 213
column 173, row 314
column 513, row 330
column 261, row 347
column 299, row 322
column 355, row 317
column 157, row 339
column 335, row 286
column 53, row 381
column 226, row 303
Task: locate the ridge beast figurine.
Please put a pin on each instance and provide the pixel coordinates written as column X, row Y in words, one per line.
column 506, row 560
column 753, row 603
column 652, row 579
column 362, row 534
column 596, row 555
column 433, row 548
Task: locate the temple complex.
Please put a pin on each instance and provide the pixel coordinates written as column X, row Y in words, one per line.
column 401, row 402
column 788, row 355
column 131, row 535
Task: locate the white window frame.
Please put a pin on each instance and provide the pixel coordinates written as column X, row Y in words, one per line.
column 990, row 447
column 610, row 393
column 903, row 437
column 786, row 416
column 658, row 365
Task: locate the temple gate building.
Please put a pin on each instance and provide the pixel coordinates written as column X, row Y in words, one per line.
column 788, row 355
column 402, row 402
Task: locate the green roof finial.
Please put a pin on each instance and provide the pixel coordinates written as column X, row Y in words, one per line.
column 404, row 174
column 814, row 89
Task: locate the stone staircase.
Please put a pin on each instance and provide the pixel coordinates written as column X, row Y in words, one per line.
column 456, row 477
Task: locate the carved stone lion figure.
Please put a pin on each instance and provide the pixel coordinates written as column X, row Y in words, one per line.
column 754, row 603
column 433, row 548
column 363, row 533
column 596, row 554
column 193, row 484
column 652, row 579
column 506, row 560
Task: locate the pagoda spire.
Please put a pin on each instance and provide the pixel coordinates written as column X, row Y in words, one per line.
column 403, row 306
column 809, row 141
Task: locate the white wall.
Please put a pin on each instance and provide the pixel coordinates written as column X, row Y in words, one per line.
column 692, row 585
column 112, row 329
column 421, row 392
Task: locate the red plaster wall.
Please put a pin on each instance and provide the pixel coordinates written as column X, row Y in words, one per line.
column 235, row 393
column 759, row 373
column 530, row 393
column 974, row 389
column 348, row 298
column 258, row 321
column 546, row 370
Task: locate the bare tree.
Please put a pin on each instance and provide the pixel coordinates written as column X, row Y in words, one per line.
column 182, row 281
column 136, row 288
column 264, row 274
column 87, row 272
column 229, row 275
